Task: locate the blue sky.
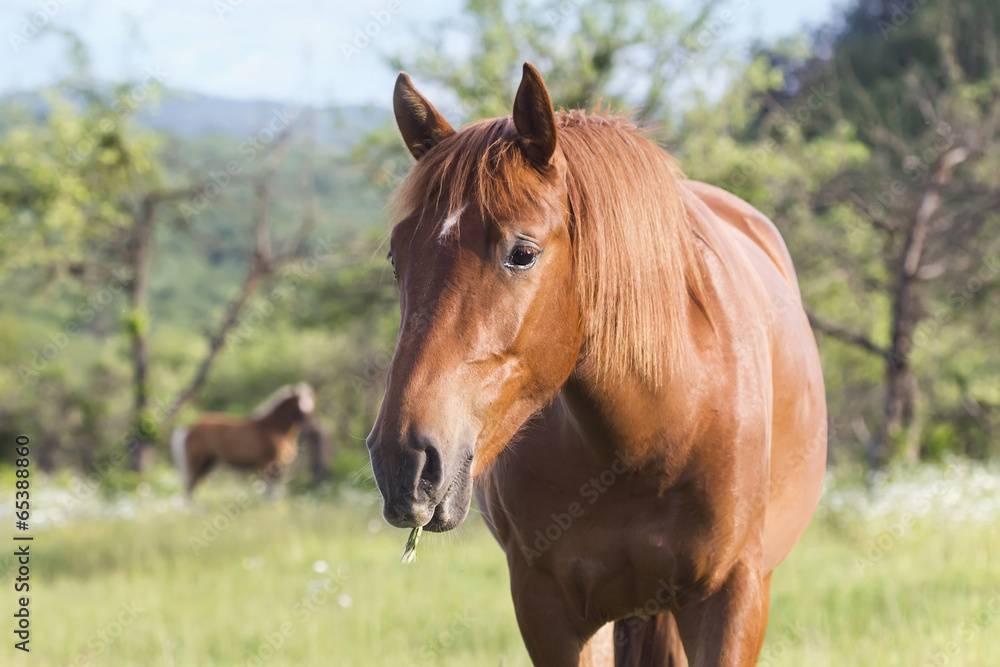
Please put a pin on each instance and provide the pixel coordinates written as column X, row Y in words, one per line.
column 288, row 50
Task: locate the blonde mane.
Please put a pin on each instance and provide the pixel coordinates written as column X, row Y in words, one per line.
column 277, row 398
column 634, row 242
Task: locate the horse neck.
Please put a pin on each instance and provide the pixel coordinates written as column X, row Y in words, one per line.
column 619, row 414
column 282, row 419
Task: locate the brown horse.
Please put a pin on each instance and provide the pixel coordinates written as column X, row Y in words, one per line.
column 266, row 441
column 640, row 342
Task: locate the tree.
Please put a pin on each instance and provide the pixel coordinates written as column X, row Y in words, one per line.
column 924, row 93
column 891, row 218
column 871, row 145
column 626, row 55
column 262, row 263
column 81, row 194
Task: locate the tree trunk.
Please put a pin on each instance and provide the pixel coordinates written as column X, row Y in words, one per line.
column 898, row 417
column 262, row 263
column 217, row 341
column 143, row 429
column 900, row 393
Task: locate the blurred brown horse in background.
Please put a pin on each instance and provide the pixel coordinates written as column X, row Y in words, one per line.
column 267, row 441
column 640, row 341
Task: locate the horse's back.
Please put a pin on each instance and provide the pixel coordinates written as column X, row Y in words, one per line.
column 753, row 224
column 231, row 440
column 798, row 436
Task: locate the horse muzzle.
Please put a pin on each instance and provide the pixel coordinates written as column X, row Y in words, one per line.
column 415, row 489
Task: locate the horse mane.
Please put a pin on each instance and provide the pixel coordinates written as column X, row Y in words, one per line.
column 279, row 396
column 634, row 242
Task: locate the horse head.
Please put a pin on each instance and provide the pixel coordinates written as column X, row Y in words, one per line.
column 490, row 316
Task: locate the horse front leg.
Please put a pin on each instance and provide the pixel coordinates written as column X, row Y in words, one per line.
column 552, row 633
column 272, row 474
column 649, row 642
column 726, row 629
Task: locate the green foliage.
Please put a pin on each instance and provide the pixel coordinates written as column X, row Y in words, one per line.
column 66, row 183
column 630, row 55
column 135, row 323
column 583, row 48
column 65, row 373
column 840, row 151
column 785, row 133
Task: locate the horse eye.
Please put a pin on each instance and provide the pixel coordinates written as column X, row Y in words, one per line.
column 522, row 257
column 393, row 262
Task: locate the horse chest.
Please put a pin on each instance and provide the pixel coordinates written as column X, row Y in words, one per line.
column 614, row 545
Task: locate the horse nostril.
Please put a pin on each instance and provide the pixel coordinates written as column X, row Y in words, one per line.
column 430, row 476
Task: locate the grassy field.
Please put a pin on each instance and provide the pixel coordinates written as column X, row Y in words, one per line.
column 317, row 581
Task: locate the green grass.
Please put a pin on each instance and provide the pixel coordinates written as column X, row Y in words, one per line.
column 931, row 597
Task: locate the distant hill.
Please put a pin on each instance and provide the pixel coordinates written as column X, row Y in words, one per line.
column 186, row 114
column 191, row 114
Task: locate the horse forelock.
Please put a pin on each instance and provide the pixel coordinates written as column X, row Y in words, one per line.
column 481, row 164
column 634, row 242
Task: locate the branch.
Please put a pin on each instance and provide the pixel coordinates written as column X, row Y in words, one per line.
column 261, row 264
column 877, row 130
column 308, row 224
column 932, row 271
column 844, row 335
column 172, row 194
column 946, row 46
column 838, row 193
column 262, row 185
column 929, row 203
column 217, row 340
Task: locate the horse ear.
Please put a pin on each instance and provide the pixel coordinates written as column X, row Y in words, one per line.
column 419, row 122
column 533, row 118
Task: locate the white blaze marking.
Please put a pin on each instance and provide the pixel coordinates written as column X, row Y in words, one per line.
column 450, row 222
